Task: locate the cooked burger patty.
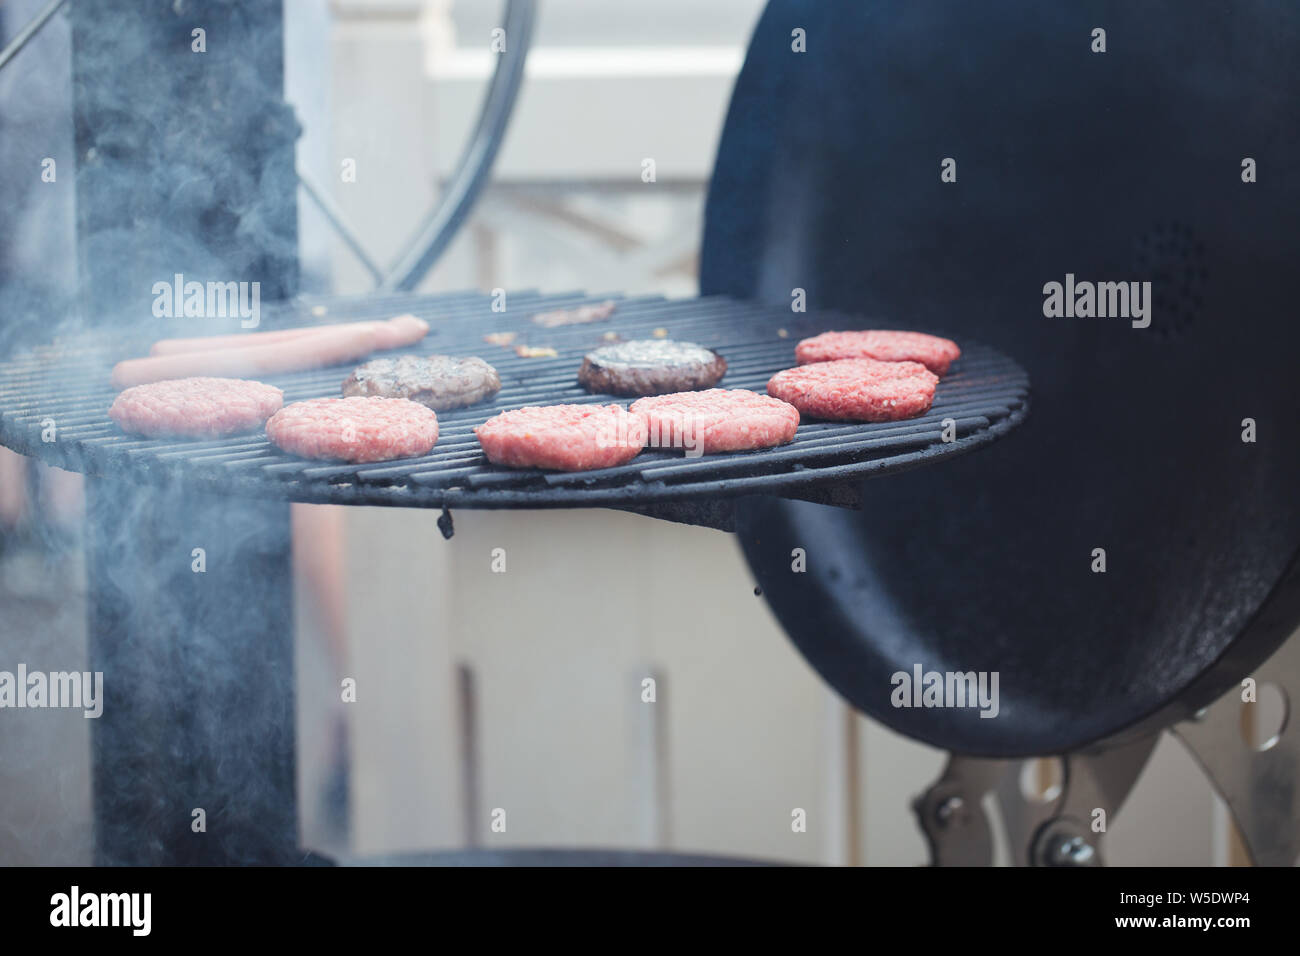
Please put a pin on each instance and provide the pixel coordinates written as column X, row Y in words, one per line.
column 195, row 407
column 563, row 437
column 933, row 352
column 860, row 390
column 716, row 420
column 651, row 367
column 354, row 429
column 439, row 382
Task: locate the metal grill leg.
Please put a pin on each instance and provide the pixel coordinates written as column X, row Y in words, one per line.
column 1261, row 787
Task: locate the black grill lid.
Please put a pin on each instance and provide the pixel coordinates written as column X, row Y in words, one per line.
column 1123, row 165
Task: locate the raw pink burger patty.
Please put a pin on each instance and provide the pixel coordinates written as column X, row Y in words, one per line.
column 355, row 429
column 717, row 419
column 563, row 437
column 195, row 407
column 934, row 353
column 860, row 390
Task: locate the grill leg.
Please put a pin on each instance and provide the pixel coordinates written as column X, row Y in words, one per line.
column 198, row 677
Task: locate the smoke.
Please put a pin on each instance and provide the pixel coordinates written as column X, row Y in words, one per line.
column 185, row 153
column 37, row 262
column 192, row 624
column 173, row 152
column 45, row 814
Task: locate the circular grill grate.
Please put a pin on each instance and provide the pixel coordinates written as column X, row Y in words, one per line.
column 66, row 385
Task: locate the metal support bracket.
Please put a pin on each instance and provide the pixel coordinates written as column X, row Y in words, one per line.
column 1054, row 832
column 1261, row 787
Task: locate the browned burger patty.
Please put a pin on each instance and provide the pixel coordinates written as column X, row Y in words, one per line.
column 439, row 382
column 651, row 367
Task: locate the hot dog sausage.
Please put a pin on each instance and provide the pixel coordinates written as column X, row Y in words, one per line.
column 324, row 346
